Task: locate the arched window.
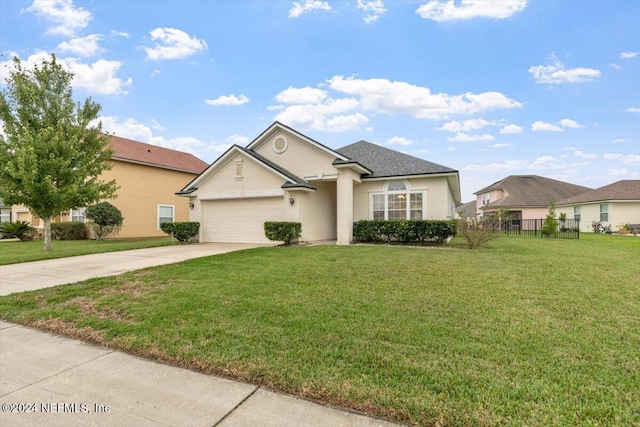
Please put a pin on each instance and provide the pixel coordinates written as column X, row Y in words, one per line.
column 397, row 201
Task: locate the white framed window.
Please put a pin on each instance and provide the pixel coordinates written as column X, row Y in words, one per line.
column 486, row 199
column 604, row 212
column 165, row 214
column 576, row 213
column 77, row 215
column 397, row 201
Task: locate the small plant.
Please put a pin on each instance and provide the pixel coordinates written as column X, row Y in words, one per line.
column 478, row 232
column 597, row 227
column 17, row 230
column 550, row 225
column 69, row 230
column 104, row 219
column 181, row 231
column 282, row 231
column 624, row 228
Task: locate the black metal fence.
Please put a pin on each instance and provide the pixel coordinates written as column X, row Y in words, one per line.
column 565, row 229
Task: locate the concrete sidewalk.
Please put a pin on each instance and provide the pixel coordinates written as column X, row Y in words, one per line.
column 48, row 380
column 29, row 276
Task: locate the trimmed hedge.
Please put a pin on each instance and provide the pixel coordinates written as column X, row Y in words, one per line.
column 69, row 230
column 182, row 231
column 404, row 231
column 282, row 231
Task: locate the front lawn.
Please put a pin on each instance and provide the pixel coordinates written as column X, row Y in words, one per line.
column 16, row 252
column 527, row 332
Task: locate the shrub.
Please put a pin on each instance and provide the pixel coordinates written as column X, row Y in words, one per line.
column 20, row 229
column 404, row 231
column 478, row 232
column 104, row 219
column 181, row 231
column 69, row 230
column 282, row 231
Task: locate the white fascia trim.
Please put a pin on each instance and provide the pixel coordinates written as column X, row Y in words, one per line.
column 398, row 177
column 264, row 136
column 243, row 195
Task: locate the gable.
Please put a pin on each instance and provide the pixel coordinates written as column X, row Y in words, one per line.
column 295, row 152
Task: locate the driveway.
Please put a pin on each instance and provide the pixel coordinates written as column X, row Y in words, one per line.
column 29, row 276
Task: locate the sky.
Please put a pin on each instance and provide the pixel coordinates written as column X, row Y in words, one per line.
column 490, row 88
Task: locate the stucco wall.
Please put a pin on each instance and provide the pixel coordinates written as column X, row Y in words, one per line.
column 317, row 211
column 619, row 213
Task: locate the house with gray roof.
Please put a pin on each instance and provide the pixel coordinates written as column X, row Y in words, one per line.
column 524, row 196
column 613, row 205
column 283, row 175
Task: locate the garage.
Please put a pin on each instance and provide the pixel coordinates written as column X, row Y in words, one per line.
column 240, row 220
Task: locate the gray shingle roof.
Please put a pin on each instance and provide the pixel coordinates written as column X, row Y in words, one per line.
column 531, row 191
column 384, row 162
column 621, row 190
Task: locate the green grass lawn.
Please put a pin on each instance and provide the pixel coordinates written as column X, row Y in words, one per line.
column 16, row 252
column 526, row 332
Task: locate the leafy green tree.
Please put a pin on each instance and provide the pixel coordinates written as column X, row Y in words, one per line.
column 51, row 153
column 104, row 219
column 550, row 225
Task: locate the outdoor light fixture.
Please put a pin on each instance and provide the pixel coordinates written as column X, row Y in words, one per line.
column 291, row 201
column 191, row 205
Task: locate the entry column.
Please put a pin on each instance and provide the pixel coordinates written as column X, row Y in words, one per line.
column 346, row 178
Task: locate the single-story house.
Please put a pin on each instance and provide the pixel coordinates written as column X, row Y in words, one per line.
column 283, row 175
column 612, row 205
column 147, row 176
column 525, row 196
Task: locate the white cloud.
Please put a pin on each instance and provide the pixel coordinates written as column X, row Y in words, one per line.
column 66, row 18
column 628, row 55
column 123, row 34
column 308, row 6
column 557, row 74
column 157, row 126
column 501, row 145
column 619, row 140
column 568, row 123
column 374, row 9
column 155, row 73
column 632, row 110
column 627, row 159
column 580, row 153
column 449, row 10
column 228, row 100
column 464, row 137
column 305, row 95
column 466, row 125
column 172, row 43
column 394, row 97
column 399, row 140
column 82, row 46
column 545, row 127
column 98, row 77
column 511, row 129
column 615, row 66
column 623, row 173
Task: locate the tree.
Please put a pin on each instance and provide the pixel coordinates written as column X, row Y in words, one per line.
column 104, row 219
column 52, row 153
column 550, row 225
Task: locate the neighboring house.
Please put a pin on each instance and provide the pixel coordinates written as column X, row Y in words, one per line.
column 612, row 205
column 6, row 213
column 283, row 175
column 467, row 210
column 147, row 176
column 525, row 196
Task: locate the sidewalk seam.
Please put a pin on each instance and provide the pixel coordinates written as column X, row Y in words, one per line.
column 236, row 407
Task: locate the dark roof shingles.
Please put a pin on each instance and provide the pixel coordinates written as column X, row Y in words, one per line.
column 620, row 190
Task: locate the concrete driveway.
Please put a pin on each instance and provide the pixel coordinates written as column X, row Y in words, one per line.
column 29, row 276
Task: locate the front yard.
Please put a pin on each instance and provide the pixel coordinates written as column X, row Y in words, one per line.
column 15, row 252
column 526, row 332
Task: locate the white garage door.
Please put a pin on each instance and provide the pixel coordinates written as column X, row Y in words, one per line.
column 240, row 220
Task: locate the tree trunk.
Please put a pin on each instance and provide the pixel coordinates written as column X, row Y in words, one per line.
column 47, row 234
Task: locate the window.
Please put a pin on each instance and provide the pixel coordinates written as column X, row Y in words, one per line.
column 5, row 214
column 77, row 215
column 165, row 214
column 604, row 212
column 485, row 199
column 576, row 213
column 397, row 201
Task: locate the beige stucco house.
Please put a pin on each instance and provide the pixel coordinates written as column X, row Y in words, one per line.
column 612, row 205
column 284, row 175
column 524, row 196
column 147, row 176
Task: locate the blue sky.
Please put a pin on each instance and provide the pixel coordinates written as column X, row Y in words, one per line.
column 491, row 88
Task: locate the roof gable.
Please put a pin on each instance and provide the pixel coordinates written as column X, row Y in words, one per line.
column 383, row 162
column 530, row 191
column 128, row 150
column 620, row 190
